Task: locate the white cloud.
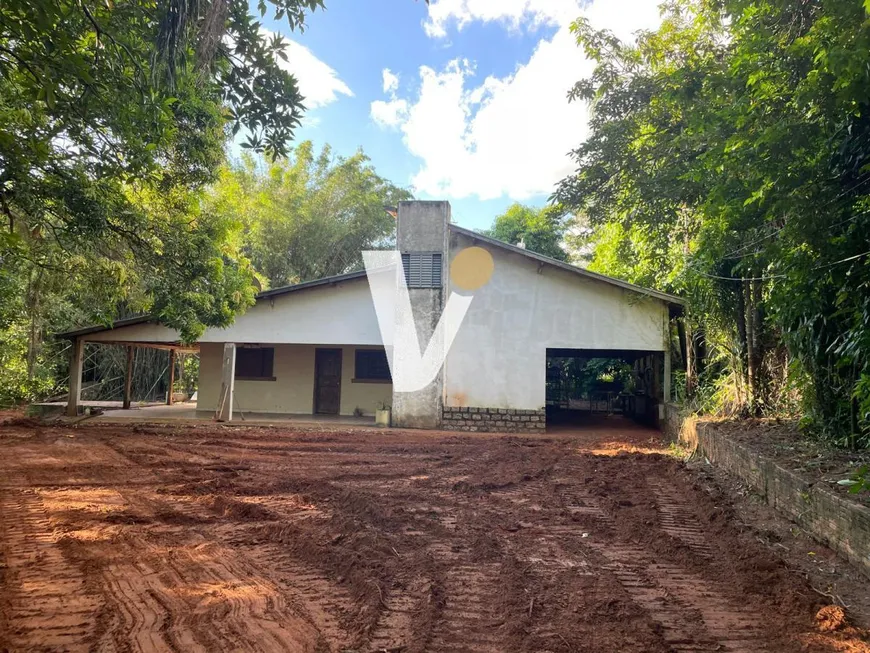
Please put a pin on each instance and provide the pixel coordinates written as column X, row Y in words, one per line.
column 318, row 82
column 390, row 114
column 395, row 111
column 506, row 136
column 391, row 81
column 512, row 13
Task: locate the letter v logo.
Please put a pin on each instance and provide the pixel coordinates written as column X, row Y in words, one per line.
column 412, row 368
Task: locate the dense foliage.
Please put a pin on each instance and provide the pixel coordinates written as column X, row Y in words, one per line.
column 308, row 216
column 729, row 160
column 113, row 120
column 539, row 230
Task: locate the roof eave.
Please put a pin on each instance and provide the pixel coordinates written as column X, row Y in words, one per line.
column 117, row 324
column 657, row 294
column 326, row 281
column 266, row 294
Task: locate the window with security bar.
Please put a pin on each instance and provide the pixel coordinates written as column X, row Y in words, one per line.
column 422, row 269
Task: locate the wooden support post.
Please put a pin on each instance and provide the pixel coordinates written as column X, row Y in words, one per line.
column 75, row 377
column 224, row 412
column 171, row 376
column 128, row 380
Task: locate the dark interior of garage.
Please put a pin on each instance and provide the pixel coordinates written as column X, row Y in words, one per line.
column 585, row 384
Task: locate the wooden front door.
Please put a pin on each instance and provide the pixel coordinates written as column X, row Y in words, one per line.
column 327, row 381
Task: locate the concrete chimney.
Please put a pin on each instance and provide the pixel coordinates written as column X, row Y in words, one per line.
column 422, row 237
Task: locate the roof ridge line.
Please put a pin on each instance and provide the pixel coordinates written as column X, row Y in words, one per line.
column 595, row 276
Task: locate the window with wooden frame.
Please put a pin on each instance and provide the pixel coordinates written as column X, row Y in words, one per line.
column 371, row 366
column 255, row 363
column 422, row 269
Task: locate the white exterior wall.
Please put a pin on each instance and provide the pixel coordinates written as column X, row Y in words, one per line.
column 324, row 315
column 292, row 391
column 498, row 359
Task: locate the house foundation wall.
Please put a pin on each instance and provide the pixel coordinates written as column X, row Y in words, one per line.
column 493, row 420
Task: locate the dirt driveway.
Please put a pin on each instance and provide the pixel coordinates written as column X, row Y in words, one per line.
column 243, row 539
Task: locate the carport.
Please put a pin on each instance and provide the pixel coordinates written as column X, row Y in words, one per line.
column 583, row 384
column 128, row 335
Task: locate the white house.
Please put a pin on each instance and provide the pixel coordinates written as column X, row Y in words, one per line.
column 316, row 347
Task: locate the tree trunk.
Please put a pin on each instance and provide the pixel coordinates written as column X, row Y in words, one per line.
column 751, row 371
column 742, row 338
column 687, row 350
column 755, row 353
column 32, row 308
column 699, row 346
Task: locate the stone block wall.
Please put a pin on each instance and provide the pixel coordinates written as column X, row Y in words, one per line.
column 679, row 427
column 840, row 523
column 493, row 420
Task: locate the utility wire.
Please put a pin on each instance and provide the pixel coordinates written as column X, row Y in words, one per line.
column 731, row 256
column 781, row 275
column 742, row 248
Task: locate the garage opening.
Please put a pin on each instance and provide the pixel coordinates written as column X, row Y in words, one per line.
column 591, row 386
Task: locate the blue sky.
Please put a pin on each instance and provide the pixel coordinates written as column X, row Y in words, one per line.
column 463, row 100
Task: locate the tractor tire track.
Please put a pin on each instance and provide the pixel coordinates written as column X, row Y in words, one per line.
column 46, row 604
column 468, row 614
column 677, row 520
column 692, row 612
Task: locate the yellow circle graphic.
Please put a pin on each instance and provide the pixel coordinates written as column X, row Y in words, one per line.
column 472, row 268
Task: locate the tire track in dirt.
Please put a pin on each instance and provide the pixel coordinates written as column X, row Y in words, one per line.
column 693, row 614
column 137, row 619
column 468, row 617
column 234, row 607
column 395, row 628
column 546, row 557
column 677, row 519
column 447, row 605
column 46, row 604
column 323, row 602
column 168, row 588
column 422, row 544
column 198, row 599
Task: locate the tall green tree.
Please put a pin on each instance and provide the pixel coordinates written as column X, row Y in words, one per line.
column 113, row 115
column 113, row 119
column 728, row 160
column 539, row 230
column 310, row 215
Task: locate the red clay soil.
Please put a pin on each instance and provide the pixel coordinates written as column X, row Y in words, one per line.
column 209, row 538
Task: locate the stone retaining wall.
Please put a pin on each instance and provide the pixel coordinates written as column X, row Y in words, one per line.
column 498, row 420
column 841, row 524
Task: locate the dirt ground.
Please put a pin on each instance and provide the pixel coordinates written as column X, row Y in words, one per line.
column 210, row 538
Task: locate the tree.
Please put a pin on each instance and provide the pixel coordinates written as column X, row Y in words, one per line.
column 728, row 160
column 113, row 116
column 307, row 216
column 539, row 230
column 113, row 119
